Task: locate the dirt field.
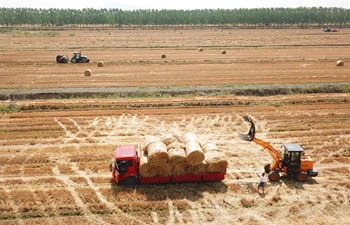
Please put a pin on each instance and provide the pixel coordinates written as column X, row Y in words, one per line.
column 55, row 154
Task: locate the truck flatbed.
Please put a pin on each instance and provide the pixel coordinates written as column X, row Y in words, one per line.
column 182, row 178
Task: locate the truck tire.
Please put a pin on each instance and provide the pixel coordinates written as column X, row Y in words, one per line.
column 301, row 176
column 130, row 181
column 273, row 176
column 267, row 168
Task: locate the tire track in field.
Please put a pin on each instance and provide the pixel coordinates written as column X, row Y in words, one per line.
column 78, row 202
column 82, row 173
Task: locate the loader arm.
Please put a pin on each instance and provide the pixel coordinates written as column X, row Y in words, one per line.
column 276, row 156
column 250, row 136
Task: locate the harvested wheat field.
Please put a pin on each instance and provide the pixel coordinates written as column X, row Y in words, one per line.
column 56, row 149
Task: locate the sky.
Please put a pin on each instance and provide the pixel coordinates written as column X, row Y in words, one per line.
column 172, row 4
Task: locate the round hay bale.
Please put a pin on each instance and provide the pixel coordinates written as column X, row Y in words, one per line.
column 177, row 156
column 175, row 144
column 209, row 146
column 194, row 153
column 157, row 153
column 100, row 64
column 189, row 137
column 149, row 140
column 340, row 63
column 223, row 52
column 180, row 169
column 170, row 138
column 164, row 169
column 217, row 162
column 163, row 56
column 200, row 49
column 87, row 72
column 145, row 168
column 198, row 169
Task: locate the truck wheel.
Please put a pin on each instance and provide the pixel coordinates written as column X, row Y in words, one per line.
column 301, row 176
column 130, row 181
column 273, row 176
column 267, row 168
column 73, row 60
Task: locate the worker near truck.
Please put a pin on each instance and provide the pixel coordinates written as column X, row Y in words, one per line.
column 262, row 182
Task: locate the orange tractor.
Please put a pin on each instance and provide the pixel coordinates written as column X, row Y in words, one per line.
column 292, row 162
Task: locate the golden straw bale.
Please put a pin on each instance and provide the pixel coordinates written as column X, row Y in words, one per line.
column 340, row 63
column 180, row 169
column 209, row 146
column 149, row 139
column 217, row 162
column 194, row 153
column 163, row 56
column 223, row 52
column 170, row 138
column 157, row 153
column 175, row 145
column 188, row 137
column 200, row 49
column 164, row 169
column 100, row 64
column 198, row 169
column 87, row 72
column 177, row 156
column 145, row 168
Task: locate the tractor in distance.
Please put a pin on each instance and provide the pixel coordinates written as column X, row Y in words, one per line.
column 79, row 58
column 293, row 162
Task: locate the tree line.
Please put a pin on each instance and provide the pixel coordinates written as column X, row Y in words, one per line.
column 118, row 17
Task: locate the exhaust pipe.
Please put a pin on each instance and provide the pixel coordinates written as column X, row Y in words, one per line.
column 251, row 133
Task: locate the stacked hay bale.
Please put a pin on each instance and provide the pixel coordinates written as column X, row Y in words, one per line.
column 175, row 155
column 216, row 160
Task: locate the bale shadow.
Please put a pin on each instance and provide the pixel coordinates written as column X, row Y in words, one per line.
column 191, row 191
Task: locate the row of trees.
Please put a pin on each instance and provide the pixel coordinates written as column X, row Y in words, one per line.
column 262, row 16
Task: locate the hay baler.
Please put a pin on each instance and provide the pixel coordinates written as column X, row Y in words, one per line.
column 125, row 170
column 62, row 59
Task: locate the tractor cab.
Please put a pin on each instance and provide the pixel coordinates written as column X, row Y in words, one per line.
column 76, row 55
column 79, row 58
column 292, row 157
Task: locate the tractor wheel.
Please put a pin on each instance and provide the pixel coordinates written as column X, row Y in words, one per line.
column 84, row 60
column 130, row 181
column 73, row 60
column 301, row 176
column 273, row 176
column 267, row 168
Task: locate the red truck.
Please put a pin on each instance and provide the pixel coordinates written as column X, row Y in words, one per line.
column 125, row 170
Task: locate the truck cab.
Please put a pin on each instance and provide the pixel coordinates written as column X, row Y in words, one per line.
column 124, row 165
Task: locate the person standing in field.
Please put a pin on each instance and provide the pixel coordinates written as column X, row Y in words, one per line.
column 262, row 182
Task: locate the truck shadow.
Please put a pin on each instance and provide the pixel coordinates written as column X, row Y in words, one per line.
column 174, row 191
